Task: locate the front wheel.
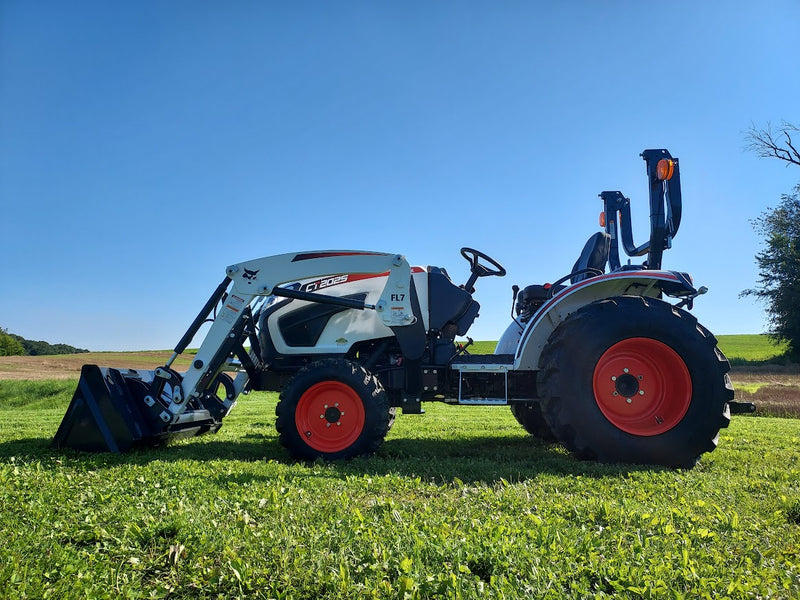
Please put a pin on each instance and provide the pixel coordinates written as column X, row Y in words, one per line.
column 332, row 409
column 633, row 379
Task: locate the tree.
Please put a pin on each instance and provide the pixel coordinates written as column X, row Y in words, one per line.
column 42, row 348
column 9, row 346
column 779, row 269
column 774, row 143
column 779, row 263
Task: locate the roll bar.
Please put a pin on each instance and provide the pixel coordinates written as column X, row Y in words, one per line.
column 665, row 213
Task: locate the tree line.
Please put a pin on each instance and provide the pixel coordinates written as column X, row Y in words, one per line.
column 16, row 345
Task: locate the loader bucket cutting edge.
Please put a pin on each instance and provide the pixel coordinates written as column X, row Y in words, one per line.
column 108, row 414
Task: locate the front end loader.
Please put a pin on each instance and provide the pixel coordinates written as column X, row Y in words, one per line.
column 607, row 360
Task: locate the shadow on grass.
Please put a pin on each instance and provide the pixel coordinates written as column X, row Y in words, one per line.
column 471, row 460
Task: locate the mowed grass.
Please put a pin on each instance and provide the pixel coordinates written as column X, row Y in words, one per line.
column 458, row 503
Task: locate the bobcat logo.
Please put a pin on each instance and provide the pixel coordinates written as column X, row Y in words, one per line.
column 250, row 275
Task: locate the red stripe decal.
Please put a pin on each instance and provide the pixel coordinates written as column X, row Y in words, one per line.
column 313, row 255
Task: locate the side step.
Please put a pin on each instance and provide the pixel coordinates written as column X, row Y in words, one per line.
column 107, row 415
column 483, row 379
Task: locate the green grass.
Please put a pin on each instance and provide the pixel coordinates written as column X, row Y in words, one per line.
column 750, row 388
column 742, row 349
column 458, row 503
column 35, row 395
column 481, row 347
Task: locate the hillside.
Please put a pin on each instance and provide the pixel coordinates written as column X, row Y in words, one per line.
column 12, row 344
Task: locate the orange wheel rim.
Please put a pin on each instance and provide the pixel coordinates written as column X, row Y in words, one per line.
column 330, row 416
column 642, row 386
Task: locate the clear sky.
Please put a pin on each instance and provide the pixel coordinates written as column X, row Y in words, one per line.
column 145, row 146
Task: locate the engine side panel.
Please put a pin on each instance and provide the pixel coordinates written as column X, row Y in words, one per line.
column 342, row 328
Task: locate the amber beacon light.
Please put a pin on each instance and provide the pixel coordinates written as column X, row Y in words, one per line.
column 665, row 169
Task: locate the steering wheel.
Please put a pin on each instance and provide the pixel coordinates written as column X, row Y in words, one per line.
column 480, row 270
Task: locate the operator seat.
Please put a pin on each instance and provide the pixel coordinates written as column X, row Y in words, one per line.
column 449, row 303
column 593, row 256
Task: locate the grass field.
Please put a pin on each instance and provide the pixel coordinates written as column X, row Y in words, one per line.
column 745, row 349
column 458, row 503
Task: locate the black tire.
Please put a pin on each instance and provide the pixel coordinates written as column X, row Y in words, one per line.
column 666, row 409
column 332, row 409
column 529, row 415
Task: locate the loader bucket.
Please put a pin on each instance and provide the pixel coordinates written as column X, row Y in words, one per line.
column 108, row 414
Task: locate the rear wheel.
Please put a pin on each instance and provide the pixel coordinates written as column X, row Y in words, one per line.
column 633, row 379
column 529, row 415
column 332, row 409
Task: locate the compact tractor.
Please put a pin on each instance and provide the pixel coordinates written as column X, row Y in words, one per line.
column 606, row 360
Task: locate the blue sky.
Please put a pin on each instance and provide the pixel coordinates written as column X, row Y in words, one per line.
column 145, row 146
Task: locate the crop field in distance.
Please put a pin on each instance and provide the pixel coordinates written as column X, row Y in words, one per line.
column 458, row 503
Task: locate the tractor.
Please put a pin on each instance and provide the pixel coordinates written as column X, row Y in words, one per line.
column 606, row 360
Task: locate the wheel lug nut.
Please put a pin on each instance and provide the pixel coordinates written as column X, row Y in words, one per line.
column 628, row 400
column 613, row 378
column 626, row 370
column 641, row 392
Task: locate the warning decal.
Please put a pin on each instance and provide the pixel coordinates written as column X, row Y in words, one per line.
column 232, row 308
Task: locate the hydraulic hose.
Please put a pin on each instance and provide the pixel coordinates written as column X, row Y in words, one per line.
column 201, row 317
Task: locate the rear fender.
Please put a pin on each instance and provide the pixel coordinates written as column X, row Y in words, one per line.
column 533, row 338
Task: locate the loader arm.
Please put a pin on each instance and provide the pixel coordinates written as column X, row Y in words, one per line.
column 262, row 277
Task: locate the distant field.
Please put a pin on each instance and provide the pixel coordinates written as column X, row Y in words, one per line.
column 738, row 348
column 775, row 388
column 751, row 348
column 68, row 366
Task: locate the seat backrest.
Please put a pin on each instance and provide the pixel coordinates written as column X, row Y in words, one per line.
column 449, row 303
column 593, row 256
